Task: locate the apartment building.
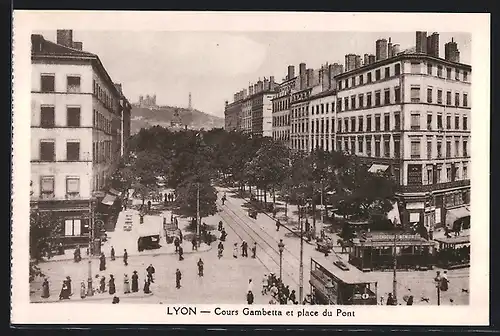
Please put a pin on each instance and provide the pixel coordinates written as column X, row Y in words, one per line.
column 322, row 121
column 410, row 114
column 281, row 107
column 77, row 131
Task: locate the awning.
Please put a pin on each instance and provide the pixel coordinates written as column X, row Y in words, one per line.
column 375, row 168
column 453, row 214
column 114, row 192
column 108, row 200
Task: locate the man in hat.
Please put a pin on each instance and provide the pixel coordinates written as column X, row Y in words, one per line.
column 178, row 277
column 254, row 250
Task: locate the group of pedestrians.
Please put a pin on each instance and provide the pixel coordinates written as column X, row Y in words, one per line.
column 244, row 250
column 280, row 293
column 102, row 258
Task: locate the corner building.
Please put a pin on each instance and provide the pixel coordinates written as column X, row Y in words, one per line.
column 79, row 131
column 410, row 114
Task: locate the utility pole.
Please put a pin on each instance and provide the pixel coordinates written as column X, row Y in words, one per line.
column 322, row 210
column 90, row 291
column 301, row 267
column 198, row 219
column 394, row 281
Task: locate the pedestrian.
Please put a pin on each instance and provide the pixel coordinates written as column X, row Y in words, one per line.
column 244, row 249
column 178, row 276
column 278, row 224
column 181, row 253
column 111, row 285
column 102, row 262
column 409, row 302
column 194, row 244
column 292, row 297
column 177, row 243
column 126, row 284
column 220, row 250
column 264, row 285
column 112, row 253
column 77, row 254
column 250, row 285
column 223, row 235
column 286, row 292
column 219, row 228
column 147, row 289
column 176, row 222
column 149, row 205
column 254, row 250
column 235, row 251
column 125, row 257
column 116, row 300
column 250, row 297
column 180, row 236
column 82, row 290
column 135, row 282
column 45, row 288
column 150, row 272
column 274, row 291
column 70, row 289
column 64, row 294
column 390, row 300
column 102, row 285
column 200, row 267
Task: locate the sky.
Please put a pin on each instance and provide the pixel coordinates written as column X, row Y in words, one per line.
column 215, row 65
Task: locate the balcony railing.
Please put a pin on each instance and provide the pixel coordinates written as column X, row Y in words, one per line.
column 432, row 187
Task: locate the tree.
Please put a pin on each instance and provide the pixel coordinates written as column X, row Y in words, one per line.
column 43, row 227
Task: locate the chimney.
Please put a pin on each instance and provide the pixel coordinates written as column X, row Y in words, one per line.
column 310, row 78
column 302, row 74
column 389, row 48
column 244, row 93
column 291, row 72
column 227, row 103
column 78, row 45
column 325, row 78
column 266, row 84
column 358, row 61
column 421, row 42
column 255, row 88
column 260, row 85
column 395, row 49
column 371, row 59
column 65, row 37
column 250, row 90
column 350, row 62
column 433, row 45
column 36, row 43
column 272, row 84
column 365, row 59
column 381, row 49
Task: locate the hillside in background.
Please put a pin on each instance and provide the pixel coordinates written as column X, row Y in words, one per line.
column 143, row 117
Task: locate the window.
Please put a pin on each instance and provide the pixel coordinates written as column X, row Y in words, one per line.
column 47, row 186
column 440, row 71
column 368, row 123
column 429, row 149
column 72, row 151
column 339, row 125
column 429, row 95
column 353, row 81
column 327, row 127
column 457, row 74
column 368, row 146
column 72, row 185
column 353, row 124
column 464, row 174
column 387, row 148
column 369, row 99
column 397, row 94
column 465, row 123
column 429, row 121
column 369, row 77
column 466, row 75
column 346, row 124
column 360, row 79
column 448, row 149
column 312, row 127
column 397, row 148
column 387, row 96
column 73, row 84
column 339, row 105
column 47, row 116
column 429, row 68
column 415, row 94
column 387, row 73
column 415, row 149
column 72, row 227
column 457, row 148
column 440, row 121
column 360, row 99
column 415, row 121
column 448, row 174
column 377, row 98
column 339, row 83
column 339, row 145
column 397, row 69
column 448, row 73
column 448, row 98
column 73, row 116
column 465, row 101
column 415, row 67
column 464, row 149
column 377, row 74
column 47, row 150
column 377, row 148
column 353, row 146
column 440, row 97
column 360, row 124
column 397, row 121
column 429, row 174
column 386, row 122
column 346, row 103
column 457, row 99
column 322, row 126
column 377, row 123
column 47, row 83
column 353, row 102
column 346, row 83
column 333, row 130
column 333, row 106
column 439, row 149
column 457, row 122
column 448, row 122
column 360, row 144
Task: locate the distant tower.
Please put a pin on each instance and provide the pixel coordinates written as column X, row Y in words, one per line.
column 190, row 106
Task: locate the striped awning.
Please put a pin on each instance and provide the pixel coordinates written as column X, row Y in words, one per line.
column 108, row 199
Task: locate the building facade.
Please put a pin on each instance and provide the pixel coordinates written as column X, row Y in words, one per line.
column 77, row 133
column 411, row 114
column 322, row 121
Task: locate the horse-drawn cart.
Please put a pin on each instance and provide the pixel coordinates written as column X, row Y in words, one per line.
column 324, row 245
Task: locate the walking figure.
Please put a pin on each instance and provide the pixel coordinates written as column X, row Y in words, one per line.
column 235, row 251
column 244, row 249
column 77, row 254
column 278, row 225
column 177, row 243
column 150, row 271
column 194, row 244
column 149, row 205
column 82, row 290
column 220, row 249
column 178, row 276
column 200, row 267
column 65, row 293
column 45, row 289
column 250, row 297
column 126, row 284
column 125, row 257
column 135, row 282
column 112, row 253
column 102, row 285
column 219, row 228
column 181, row 252
column 102, row 262
column 254, row 250
column 111, row 285
column 147, row 285
column 223, row 199
column 223, row 235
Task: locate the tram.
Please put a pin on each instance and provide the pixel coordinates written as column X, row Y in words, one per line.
column 333, row 282
column 453, row 252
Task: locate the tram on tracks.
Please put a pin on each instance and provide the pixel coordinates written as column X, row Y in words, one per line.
column 334, row 282
column 453, row 252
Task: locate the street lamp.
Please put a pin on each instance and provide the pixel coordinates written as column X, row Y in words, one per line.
column 437, row 281
column 90, row 291
column 281, row 248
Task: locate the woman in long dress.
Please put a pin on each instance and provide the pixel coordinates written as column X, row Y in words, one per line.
column 64, row 294
column 146, row 287
column 235, row 251
column 45, row 288
column 111, row 285
column 135, row 282
column 82, row 290
column 102, row 285
column 126, row 284
column 102, row 262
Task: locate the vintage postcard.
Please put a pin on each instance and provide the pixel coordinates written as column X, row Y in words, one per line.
column 250, row 168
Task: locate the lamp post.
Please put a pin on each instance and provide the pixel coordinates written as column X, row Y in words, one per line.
column 395, row 266
column 198, row 219
column 281, row 248
column 437, row 281
column 301, row 265
column 90, row 291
